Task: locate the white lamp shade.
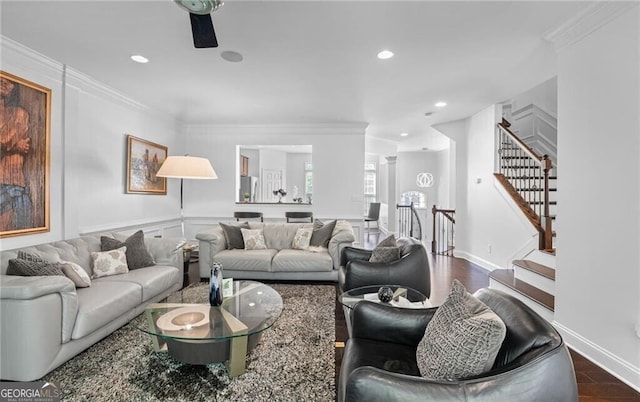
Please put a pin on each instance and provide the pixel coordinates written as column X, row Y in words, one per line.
column 187, row 167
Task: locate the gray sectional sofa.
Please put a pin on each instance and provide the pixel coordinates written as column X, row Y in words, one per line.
column 45, row 320
column 279, row 261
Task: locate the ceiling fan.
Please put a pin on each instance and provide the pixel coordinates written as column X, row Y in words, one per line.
column 201, row 22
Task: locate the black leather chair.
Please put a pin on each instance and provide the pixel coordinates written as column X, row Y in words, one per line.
column 533, row 363
column 248, row 215
column 299, row 216
column 412, row 269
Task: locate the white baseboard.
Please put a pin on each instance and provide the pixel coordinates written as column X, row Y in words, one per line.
column 487, row 265
column 616, row 366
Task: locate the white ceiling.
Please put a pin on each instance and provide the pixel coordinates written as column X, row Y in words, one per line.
column 305, row 62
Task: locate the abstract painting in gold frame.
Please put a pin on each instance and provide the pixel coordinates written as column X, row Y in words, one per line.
column 25, row 124
column 144, row 158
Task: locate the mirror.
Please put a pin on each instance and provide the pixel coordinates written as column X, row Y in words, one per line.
column 274, row 174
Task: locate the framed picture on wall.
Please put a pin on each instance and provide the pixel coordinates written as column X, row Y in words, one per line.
column 25, row 124
column 144, row 158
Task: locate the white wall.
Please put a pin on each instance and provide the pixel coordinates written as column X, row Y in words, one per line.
column 488, row 230
column 543, row 96
column 97, row 123
column 296, row 174
column 338, row 161
column 598, row 281
column 442, row 181
column 88, row 151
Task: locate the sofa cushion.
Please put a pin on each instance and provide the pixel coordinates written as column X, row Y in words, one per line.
column 153, row 280
column 137, row 254
column 462, row 339
column 107, row 263
column 302, row 239
column 322, row 233
column 245, row 260
column 233, row 235
column 18, row 266
column 76, row 273
column 279, row 236
column 253, row 239
column 102, row 303
column 302, row 261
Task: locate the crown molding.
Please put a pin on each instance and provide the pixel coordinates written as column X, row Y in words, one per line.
column 347, row 128
column 587, row 21
column 48, row 63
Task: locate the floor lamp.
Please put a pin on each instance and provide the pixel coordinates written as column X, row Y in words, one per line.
column 186, row 167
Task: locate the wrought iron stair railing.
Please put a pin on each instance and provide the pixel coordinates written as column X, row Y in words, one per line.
column 443, row 241
column 525, row 175
column 409, row 222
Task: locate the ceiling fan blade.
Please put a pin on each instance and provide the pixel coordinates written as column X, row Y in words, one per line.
column 202, row 29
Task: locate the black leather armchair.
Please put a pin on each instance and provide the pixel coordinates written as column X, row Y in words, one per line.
column 379, row 360
column 412, row 269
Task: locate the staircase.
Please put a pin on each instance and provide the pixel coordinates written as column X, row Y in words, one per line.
column 530, row 180
column 531, row 279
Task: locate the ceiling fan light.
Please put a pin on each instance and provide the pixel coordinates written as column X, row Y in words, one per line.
column 200, row 7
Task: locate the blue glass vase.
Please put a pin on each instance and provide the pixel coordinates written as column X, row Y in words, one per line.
column 215, row 285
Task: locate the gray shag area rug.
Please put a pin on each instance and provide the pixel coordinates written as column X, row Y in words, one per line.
column 293, row 362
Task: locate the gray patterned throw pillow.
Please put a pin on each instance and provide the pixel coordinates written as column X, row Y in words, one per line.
column 462, row 339
column 385, row 254
column 18, row 266
column 386, row 251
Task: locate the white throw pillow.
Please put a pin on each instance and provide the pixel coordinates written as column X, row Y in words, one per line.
column 76, row 273
column 253, row 239
column 302, row 238
column 106, row 263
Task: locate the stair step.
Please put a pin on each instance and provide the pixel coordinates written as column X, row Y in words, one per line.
column 539, row 269
column 508, row 279
column 551, row 251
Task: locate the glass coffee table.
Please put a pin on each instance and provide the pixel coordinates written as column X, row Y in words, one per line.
column 401, row 296
column 197, row 333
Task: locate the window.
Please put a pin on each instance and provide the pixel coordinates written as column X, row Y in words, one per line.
column 308, row 180
column 370, row 185
column 416, row 197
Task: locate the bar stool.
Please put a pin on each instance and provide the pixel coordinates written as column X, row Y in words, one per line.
column 299, row 216
column 248, row 215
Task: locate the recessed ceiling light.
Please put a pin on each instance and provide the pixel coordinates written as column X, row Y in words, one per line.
column 230, row 55
column 441, row 104
column 139, row 59
column 385, row 54
column 404, row 134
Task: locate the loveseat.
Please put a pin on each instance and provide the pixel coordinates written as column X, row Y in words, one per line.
column 46, row 320
column 279, row 260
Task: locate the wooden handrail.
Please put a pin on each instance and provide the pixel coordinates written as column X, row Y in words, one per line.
column 525, row 178
column 522, row 145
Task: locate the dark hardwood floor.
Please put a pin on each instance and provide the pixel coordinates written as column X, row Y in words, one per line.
column 594, row 383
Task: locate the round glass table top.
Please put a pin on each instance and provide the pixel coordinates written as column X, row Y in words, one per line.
column 400, row 296
column 187, row 315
